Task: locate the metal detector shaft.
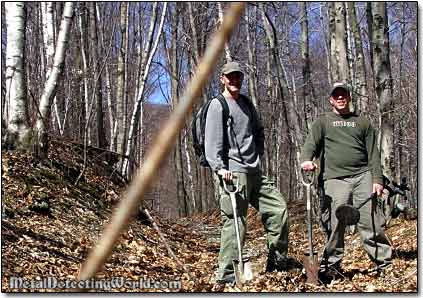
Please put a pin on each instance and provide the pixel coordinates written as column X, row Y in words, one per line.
column 372, row 196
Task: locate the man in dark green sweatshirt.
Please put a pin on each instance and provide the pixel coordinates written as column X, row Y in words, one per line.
column 350, row 173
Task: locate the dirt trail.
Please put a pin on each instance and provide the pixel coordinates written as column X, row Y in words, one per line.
column 49, row 224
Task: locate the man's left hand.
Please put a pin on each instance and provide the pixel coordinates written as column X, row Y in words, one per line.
column 377, row 188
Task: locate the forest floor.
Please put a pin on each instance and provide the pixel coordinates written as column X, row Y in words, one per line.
column 49, row 224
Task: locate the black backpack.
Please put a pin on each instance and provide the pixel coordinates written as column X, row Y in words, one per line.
column 198, row 127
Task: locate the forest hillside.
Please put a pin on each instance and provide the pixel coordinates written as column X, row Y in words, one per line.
column 90, row 72
column 49, row 224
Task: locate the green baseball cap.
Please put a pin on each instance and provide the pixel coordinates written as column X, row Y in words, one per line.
column 340, row 86
column 231, row 67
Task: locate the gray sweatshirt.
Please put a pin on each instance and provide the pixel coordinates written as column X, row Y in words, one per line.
column 245, row 136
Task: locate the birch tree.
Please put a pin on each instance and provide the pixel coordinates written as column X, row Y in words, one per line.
column 360, row 85
column 121, row 82
column 338, row 42
column 228, row 53
column 17, row 121
column 49, row 34
column 384, row 88
column 82, row 24
column 50, row 87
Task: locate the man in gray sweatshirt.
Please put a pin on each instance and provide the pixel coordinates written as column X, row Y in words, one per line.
column 235, row 155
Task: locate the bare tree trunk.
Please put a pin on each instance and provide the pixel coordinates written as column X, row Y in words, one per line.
column 184, row 205
column 150, row 50
column 326, row 38
column 195, row 40
column 111, row 110
column 369, row 17
column 50, row 87
column 228, row 53
column 121, row 82
column 125, row 86
column 338, row 44
column 269, row 95
column 100, row 133
column 289, row 114
column 251, row 46
column 309, row 101
column 384, row 88
column 349, row 42
column 196, row 202
column 401, row 139
column 49, row 45
column 49, row 23
column 84, row 45
column 362, row 98
column 17, row 124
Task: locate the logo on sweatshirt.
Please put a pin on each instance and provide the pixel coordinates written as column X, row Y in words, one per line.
column 343, row 124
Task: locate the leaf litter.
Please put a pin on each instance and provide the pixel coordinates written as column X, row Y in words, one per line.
column 49, row 226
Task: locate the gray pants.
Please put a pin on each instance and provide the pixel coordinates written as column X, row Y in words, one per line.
column 355, row 190
column 260, row 192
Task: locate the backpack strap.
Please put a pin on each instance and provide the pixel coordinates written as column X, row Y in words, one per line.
column 322, row 148
column 226, row 118
column 253, row 113
column 202, row 123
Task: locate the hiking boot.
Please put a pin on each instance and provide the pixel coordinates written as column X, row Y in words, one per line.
column 382, row 268
column 328, row 273
column 220, row 285
column 277, row 266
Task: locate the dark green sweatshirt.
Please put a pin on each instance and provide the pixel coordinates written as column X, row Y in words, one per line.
column 346, row 145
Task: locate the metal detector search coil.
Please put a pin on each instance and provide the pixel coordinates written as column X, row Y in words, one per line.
column 349, row 215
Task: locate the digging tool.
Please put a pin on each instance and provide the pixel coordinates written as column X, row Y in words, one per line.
column 311, row 263
column 349, row 215
column 242, row 268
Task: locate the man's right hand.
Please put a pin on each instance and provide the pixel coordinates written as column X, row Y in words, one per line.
column 308, row 166
column 226, row 175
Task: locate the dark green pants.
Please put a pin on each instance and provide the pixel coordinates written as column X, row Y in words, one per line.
column 260, row 192
column 354, row 190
